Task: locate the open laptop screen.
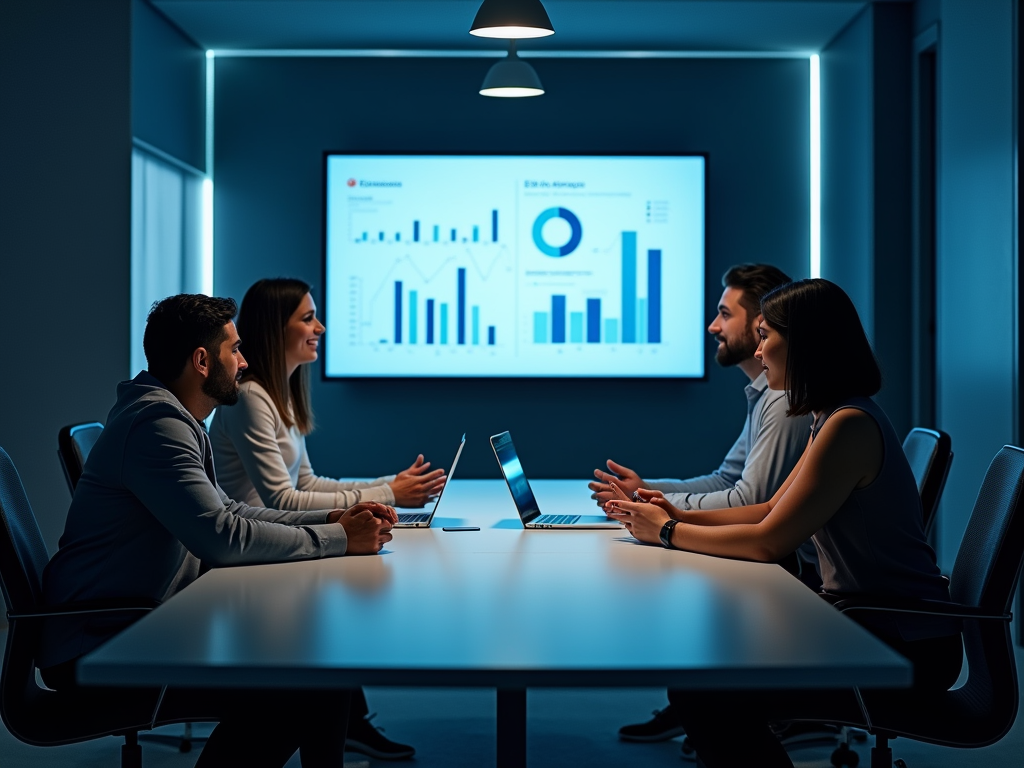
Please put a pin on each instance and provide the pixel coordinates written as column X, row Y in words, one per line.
column 518, row 485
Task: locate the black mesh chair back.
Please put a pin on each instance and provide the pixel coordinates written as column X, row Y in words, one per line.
column 23, row 554
column 930, row 454
column 33, row 714
column 74, row 442
column 984, row 576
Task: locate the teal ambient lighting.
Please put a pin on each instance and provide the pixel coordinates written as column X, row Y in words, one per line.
column 815, row 166
column 512, row 19
column 511, row 78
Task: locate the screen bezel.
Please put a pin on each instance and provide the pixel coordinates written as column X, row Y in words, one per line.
column 328, row 153
column 534, row 512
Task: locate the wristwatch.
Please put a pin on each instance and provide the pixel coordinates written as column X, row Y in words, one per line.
column 666, row 533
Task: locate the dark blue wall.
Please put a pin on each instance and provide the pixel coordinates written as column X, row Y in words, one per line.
column 168, row 87
column 65, row 240
column 275, row 117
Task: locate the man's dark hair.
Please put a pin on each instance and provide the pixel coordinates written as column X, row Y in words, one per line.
column 177, row 326
column 829, row 358
column 755, row 280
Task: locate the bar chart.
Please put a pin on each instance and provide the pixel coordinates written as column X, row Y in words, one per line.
column 499, row 266
column 638, row 317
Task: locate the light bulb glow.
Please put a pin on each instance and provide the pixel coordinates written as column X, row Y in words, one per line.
column 511, row 92
column 511, row 33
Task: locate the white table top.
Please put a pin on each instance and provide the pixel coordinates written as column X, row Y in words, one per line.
column 501, row 607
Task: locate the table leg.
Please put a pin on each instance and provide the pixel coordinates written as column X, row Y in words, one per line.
column 511, row 728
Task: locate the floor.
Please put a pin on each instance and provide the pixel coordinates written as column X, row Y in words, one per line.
column 454, row 728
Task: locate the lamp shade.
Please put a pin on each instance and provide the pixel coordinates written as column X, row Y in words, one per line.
column 510, row 19
column 511, row 78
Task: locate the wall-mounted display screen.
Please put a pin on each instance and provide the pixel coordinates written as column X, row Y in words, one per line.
column 514, row 266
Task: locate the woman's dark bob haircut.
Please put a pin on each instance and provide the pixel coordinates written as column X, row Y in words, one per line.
column 829, row 357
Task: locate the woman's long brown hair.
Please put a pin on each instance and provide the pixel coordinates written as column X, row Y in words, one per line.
column 266, row 309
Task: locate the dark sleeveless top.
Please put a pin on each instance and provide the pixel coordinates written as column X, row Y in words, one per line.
column 875, row 543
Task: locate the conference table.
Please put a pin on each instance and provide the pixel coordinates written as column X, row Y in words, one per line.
column 501, row 607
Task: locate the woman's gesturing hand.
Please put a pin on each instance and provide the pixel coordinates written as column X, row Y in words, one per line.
column 643, row 519
column 415, row 486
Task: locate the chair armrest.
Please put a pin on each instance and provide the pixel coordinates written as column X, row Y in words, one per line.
column 83, row 607
column 908, row 605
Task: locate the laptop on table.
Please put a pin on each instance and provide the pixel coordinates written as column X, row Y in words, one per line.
column 422, row 519
column 522, row 494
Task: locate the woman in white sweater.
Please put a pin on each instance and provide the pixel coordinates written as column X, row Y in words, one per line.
column 259, row 444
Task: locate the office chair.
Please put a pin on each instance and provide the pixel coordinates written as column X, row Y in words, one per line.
column 37, row 715
column 930, row 453
column 985, row 575
column 74, row 442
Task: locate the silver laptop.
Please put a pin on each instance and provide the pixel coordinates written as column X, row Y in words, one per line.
column 522, row 494
column 422, row 519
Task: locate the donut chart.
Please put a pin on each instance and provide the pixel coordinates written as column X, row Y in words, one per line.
column 574, row 238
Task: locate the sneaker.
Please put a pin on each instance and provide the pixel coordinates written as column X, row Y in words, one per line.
column 367, row 739
column 662, row 727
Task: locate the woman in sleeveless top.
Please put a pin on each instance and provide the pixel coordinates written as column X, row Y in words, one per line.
column 852, row 491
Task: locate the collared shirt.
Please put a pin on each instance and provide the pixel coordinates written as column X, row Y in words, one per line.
column 757, row 464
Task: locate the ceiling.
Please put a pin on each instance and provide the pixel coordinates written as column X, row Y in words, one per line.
column 775, row 26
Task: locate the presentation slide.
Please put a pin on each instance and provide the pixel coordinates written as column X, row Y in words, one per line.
column 501, row 266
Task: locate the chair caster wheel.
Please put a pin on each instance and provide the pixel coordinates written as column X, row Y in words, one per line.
column 899, row 762
column 688, row 749
column 844, row 756
column 185, row 745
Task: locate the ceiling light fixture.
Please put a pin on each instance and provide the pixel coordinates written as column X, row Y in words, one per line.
column 512, row 19
column 511, row 78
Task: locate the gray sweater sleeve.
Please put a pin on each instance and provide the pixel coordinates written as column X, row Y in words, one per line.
column 752, row 478
column 254, row 427
column 163, row 467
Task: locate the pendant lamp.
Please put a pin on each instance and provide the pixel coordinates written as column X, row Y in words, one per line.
column 512, row 19
column 511, row 78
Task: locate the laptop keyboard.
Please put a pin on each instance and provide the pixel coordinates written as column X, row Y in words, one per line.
column 556, row 519
column 413, row 517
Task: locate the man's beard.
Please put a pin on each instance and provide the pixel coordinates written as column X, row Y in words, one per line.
column 219, row 385
column 735, row 352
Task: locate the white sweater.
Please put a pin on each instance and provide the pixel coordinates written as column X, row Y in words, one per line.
column 261, row 462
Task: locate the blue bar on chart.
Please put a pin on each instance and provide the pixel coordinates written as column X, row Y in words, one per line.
column 576, row 327
column 398, row 311
column 437, row 233
column 593, row 321
column 453, row 235
column 430, row 321
column 398, row 237
column 476, row 324
column 461, row 320
column 654, row 296
column 364, row 236
column 629, row 287
column 558, row 319
column 611, row 330
column 641, row 321
column 380, row 236
column 476, row 234
column 444, row 322
column 540, row 327
column 490, row 335
column 415, row 231
column 494, row 226
column 413, row 302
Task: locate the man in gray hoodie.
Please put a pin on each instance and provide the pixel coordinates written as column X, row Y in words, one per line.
column 148, row 510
